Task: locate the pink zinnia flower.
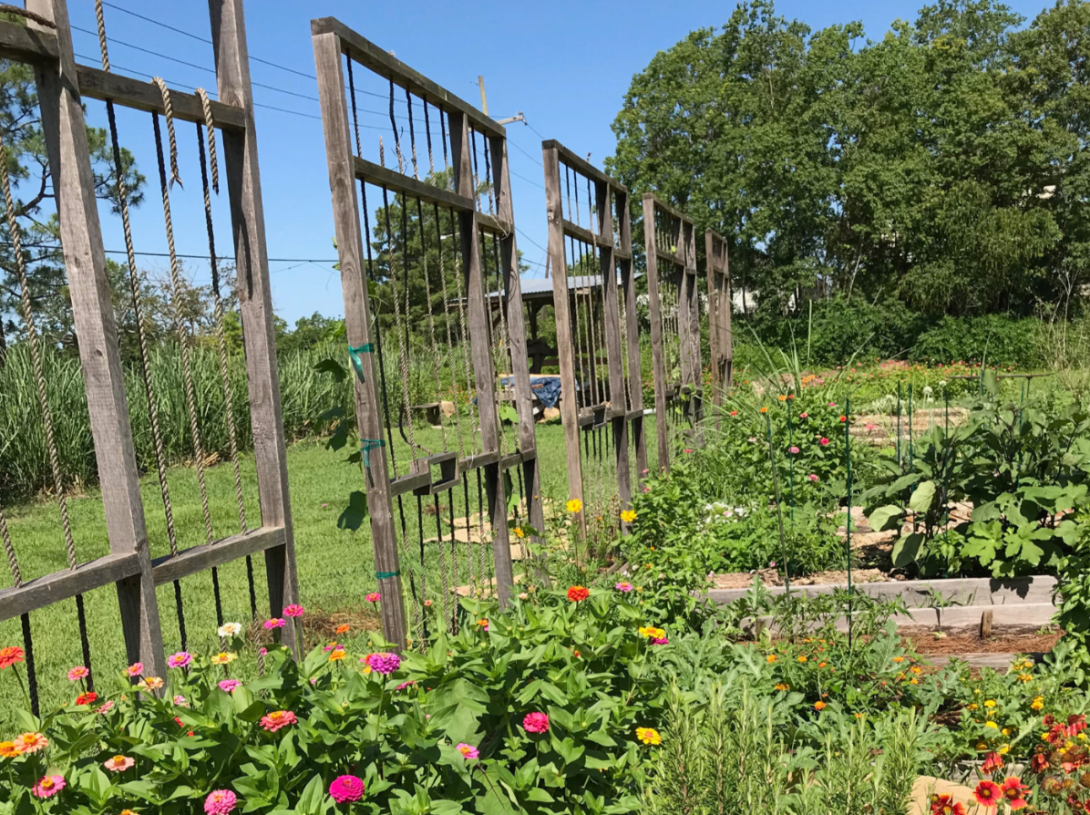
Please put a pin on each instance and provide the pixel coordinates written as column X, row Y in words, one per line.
column 374, row 597
column 812, row 477
column 294, row 610
column 229, row 685
column 180, row 659
column 135, row 669
column 536, row 723
column 78, row 673
column 106, row 708
column 346, row 788
column 792, row 449
column 262, row 651
column 180, row 701
column 687, row 450
column 49, row 785
column 220, row 802
column 275, row 622
column 382, row 663
column 804, row 415
column 281, row 718
column 660, row 641
column 407, row 684
column 624, row 586
column 118, row 764
column 824, row 442
column 468, row 751
column 752, row 439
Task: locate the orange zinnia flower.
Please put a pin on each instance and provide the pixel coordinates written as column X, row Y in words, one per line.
column 31, row 743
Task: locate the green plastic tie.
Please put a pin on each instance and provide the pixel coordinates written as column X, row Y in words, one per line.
column 384, row 575
column 366, row 446
column 354, row 353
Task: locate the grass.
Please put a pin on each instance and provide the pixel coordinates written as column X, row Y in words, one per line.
column 335, row 567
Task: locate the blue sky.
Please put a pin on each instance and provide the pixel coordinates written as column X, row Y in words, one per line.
column 566, row 65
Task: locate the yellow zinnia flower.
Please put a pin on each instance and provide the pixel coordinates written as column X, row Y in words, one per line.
column 574, row 506
column 223, row 658
column 1038, row 703
column 628, row 516
column 648, row 735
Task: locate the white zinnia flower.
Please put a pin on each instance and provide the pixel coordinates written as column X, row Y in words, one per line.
column 230, row 629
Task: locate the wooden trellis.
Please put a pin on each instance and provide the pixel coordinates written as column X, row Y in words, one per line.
column 46, row 43
column 491, row 327
column 719, row 325
column 674, row 299
column 599, row 352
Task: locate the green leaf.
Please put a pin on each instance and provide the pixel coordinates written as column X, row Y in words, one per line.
column 907, row 549
column 880, row 519
column 921, row 499
column 331, row 366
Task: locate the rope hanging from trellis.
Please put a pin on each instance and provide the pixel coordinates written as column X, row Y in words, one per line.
column 47, row 412
column 211, row 162
column 141, row 328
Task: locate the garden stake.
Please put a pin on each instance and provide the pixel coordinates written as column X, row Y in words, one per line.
column 779, row 508
column 946, row 479
column 900, row 462
column 790, row 464
column 848, row 523
column 911, row 467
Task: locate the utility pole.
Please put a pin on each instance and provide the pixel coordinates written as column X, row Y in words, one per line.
column 484, row 106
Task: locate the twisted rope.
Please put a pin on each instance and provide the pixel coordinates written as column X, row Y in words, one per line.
column 209, row 123
column 427, row 129
column 36, row 359
column 168, row 109
column 9, row 550
column 141, row 328
column 183, row 336
column 436, row 356
column 101, row 19
column 7, row 8
column 397, row 138
column 221, row 342
column 412, row 132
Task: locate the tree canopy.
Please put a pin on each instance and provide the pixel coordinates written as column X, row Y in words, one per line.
column 943, row 165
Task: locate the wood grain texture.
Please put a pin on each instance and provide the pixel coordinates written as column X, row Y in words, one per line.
column 21, row 43
column 480, row 341
column 565, row 341
column 85, row 262
column 719, row 316
column 655, row 308
column 401, row 184
column 516, row 329
column 357, row 312
column 614, row 362
column 255, row 302
column 387, row 66
column 53, row 588
column 632, row 335
column 132, row 93
column 200, row 558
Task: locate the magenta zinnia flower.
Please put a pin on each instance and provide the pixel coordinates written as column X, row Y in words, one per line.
column 536, row 723
column 660, row 641
column 294, row 610
column 824, row 442
column 812, row 477
column 135, row 669
column 180, row 659
column 275, row 622
column 49, row 785
column 229, row 685
column 220, row 802
column 275, row 721
column 346, row 788
column 624, row 586
column 383, row 663
column 374, row 597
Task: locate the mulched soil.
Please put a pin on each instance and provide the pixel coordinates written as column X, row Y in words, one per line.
column 320, row 625
column 1027, row 641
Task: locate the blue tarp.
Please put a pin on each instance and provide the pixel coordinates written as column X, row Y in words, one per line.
column 545, row 388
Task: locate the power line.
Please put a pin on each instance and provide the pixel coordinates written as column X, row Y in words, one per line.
column 527, row 180
column 516, row 146
column 535, row 243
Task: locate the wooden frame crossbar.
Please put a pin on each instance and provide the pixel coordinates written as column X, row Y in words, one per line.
column 333, row 43
column 681, row 260
column 721, row 340
column 61, row 84
column 620, row 403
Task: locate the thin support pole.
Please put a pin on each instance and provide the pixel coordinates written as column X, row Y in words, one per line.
column 848, row 523
column 779, row 508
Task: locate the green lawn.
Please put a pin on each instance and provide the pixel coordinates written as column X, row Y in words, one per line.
column 336, row 568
